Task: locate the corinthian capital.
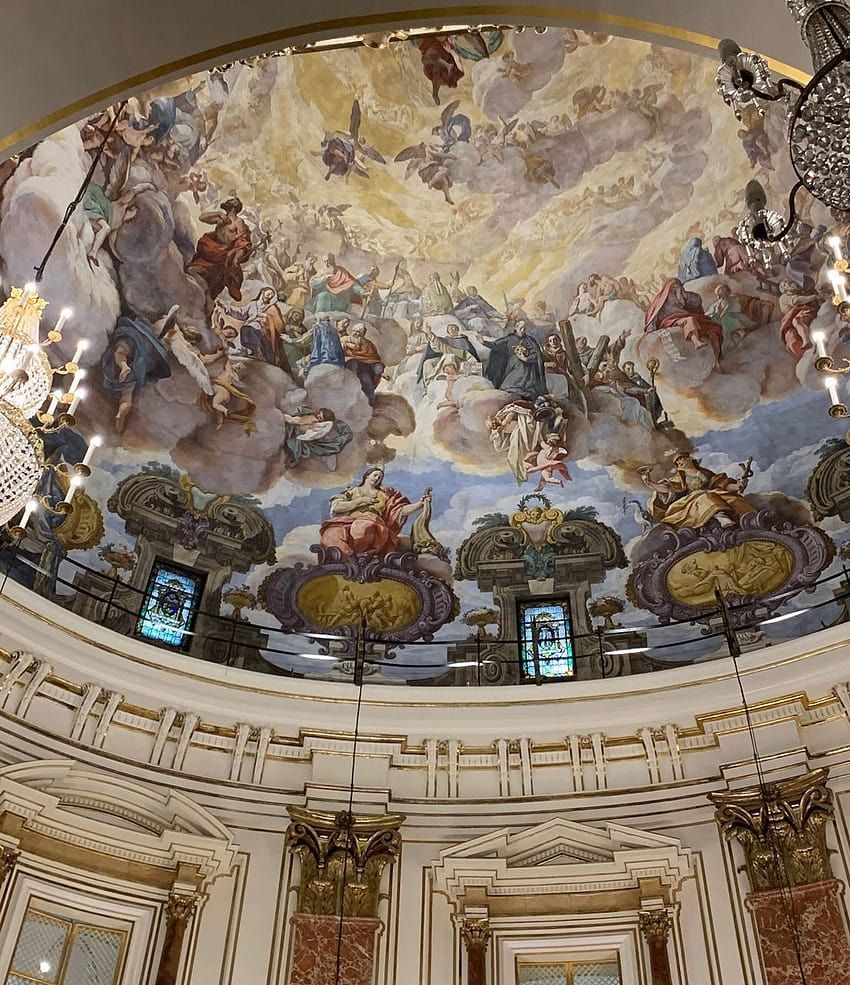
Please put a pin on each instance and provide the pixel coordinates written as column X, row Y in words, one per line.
column 476, row 933
column 181, row 907
column 655, row 925
column 8, row 861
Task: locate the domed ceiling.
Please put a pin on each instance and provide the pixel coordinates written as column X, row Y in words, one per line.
column 459, row 261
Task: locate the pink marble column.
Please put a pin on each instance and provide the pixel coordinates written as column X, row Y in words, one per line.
column 315, row 940
column 817, row 925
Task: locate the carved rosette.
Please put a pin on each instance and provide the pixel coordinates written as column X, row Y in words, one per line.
column 782, row 830
column 343, row 857
column 476, row 933
column 655, row 925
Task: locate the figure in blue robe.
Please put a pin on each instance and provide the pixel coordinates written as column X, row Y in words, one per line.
column 696, row 261
column 135, row 356
column 327, row 345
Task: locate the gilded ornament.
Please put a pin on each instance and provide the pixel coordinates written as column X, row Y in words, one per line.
column 655, row 925
column 343, row 857
column 476, row 933
column 782, row 829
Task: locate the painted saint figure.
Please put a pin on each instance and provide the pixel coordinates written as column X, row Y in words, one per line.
column 334, row 289
column 368, row 518
column 314, row 434
column 363, row 359
column 219, row 255
column 674, row 307
column 327, row 345
column 516, row 364
column 135, row 356
column 692, row 495
column 696, row 261
column 453, row 350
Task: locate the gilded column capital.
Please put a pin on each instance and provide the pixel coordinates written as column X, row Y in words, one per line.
column 655, row 925
column 476, row 933
column 181, row 907
column 782, row 829
column 343, row 857
column 8, row 861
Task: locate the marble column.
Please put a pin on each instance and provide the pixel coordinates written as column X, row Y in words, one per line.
column 799, row 928
column 179, row 910
column 476, row 936
column 316, row 942
column 337, row 924
column 795, row 899
column 655, row 926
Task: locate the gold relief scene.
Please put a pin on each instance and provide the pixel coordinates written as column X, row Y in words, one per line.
column 381, row 295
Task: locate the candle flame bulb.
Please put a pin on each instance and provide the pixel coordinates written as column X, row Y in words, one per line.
column 834, row 243
column 831, row 384
column 78, row 396
column 64, row 315
column 819, row 339
column 54, row 402
column 31, row 507
column 82, row 345
column 76, row 482
column 79, row 376
column 95, row 442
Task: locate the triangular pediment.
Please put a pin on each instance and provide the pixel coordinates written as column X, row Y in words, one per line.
column 558, row 840
column 561, row 855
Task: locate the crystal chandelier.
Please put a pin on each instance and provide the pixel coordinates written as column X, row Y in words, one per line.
column 818, row 129
column 817, row 114
column 31, row 407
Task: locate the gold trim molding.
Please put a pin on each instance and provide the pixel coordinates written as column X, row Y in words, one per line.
column 471, row 13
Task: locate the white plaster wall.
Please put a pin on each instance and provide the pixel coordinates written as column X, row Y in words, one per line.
column 243, row 934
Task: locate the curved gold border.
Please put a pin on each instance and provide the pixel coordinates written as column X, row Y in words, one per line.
column 475, row 13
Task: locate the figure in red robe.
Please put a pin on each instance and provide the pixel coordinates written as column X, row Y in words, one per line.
column 219, row 255
column 440, row 63
column 799, row 308
column 368, row 518
column 674, row 307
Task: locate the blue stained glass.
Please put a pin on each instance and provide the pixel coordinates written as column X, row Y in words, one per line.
column 171, row 601
column 545, row 639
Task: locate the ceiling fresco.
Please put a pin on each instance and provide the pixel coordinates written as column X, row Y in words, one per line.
column 389, row 297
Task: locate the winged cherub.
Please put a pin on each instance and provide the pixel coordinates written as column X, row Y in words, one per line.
column 342, row 152
column 431, row 164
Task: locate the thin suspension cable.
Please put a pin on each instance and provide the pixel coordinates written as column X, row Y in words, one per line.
column 69, row 212
column 359, row 658
column 778, row 860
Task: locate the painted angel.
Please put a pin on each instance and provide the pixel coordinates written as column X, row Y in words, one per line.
column 343, row 152
column 430, row 163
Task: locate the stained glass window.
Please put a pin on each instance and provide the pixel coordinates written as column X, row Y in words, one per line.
column 170, row 605
column 545, row 638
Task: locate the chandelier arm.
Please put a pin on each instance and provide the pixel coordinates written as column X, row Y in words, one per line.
column 792, row 219
column 777, row 96
column 39, row 270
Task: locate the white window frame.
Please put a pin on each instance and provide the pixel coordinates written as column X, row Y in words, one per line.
column 108, row 903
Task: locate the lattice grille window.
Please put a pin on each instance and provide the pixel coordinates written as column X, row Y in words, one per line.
column 569, row 973
column 55, row 950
